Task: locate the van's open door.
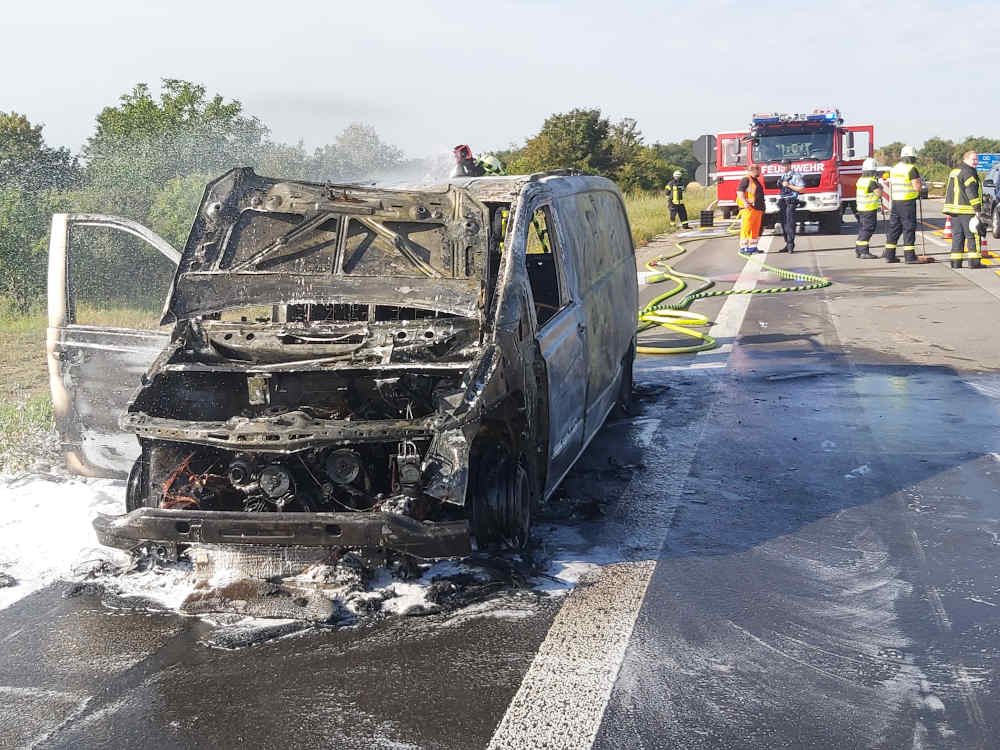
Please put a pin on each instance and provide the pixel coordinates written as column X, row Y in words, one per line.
column 95, row 365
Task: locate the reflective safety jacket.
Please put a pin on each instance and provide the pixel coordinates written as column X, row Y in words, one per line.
column 675, row 192
column 866, row 198
column 964, row 193
column 900, row 182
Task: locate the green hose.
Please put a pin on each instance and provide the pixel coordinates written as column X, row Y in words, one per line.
column 676, row 317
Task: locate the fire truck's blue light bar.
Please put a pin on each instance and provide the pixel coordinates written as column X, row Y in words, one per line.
column 772, row 118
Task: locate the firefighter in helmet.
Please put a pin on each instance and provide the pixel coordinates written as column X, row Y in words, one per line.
column 904, row 189
column 963, row 202
column 675, row 200
column 466, row 165
column 868, row 200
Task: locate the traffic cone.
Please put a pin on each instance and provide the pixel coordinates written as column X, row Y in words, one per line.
column 984, row 247
column 946, row 234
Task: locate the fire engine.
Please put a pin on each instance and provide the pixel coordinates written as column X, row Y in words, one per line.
column 826, row 152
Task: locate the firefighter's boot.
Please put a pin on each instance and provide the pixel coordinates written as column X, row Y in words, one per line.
column 956, row 262
column 910, row 256
column 890, row 254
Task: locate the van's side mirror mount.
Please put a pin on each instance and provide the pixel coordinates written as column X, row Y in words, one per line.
column 989, row 183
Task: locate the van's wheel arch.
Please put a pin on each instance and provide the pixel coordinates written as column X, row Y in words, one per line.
column 502, row 491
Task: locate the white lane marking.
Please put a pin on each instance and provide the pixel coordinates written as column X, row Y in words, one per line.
column 562, row 699
column 932, row 238
column 940, row 613
column 565, row 692
column 693, row 367
column 730, row 318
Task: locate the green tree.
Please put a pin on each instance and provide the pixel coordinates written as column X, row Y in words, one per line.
column 577, row 139
column 977, row 144
column 175, row 206
column 625, row 142
column 24, row 223
column 284, row 160
column 31, row 173
column 144, row 141
column 889, row 154
column 357, row 154
column 936, row 151
column 646, row 171
column 27, row 161
column 679, row 155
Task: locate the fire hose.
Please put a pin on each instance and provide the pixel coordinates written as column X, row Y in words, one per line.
column 678, row 318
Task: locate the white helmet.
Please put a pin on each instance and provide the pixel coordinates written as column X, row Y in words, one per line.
column 869, row 165
column 908, row 152
column 491, row 164
column 677, row 173
column 975, row 225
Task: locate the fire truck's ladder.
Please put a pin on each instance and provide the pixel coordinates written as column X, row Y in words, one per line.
column 676, row 317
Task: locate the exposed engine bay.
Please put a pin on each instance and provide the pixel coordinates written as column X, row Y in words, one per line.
column 329, row 373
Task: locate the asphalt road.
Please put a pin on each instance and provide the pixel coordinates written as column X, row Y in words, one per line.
column 800, row 538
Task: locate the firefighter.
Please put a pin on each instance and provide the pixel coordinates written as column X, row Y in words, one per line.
column 466, row 165
column 868, row 200
column 675, row 200
column 792, row 184
column 750, row 199
column 492, row 165
column 904, row 189
column 963, row 200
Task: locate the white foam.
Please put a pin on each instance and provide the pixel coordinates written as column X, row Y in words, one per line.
column 46, row 532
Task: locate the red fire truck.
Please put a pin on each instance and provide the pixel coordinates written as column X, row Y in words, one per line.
column 827, row 153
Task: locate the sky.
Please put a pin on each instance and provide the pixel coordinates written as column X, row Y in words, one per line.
column 429, row 75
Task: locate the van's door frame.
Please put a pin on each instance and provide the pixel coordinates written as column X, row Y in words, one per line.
column 562, row 341
column 86, row 360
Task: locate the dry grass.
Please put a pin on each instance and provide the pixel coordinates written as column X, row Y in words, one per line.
column 26, row 429
column 649, row 216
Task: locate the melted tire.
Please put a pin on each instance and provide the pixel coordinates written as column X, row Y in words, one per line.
column 500, row 511
column 138, row 478
column 626, row 388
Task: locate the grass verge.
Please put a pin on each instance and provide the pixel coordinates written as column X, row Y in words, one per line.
column 649, row 216
column 26, row 433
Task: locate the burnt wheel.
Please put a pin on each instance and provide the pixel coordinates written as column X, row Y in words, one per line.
column 626, row 386
column 135, row 488
column 500, row 508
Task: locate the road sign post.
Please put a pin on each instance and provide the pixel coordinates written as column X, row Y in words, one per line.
column 704, row 151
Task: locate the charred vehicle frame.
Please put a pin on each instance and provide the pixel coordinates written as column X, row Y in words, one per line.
column 353, row 366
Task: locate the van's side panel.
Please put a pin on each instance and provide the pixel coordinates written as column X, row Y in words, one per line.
column 608, row 290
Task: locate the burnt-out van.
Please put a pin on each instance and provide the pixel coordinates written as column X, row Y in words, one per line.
column 347, row 366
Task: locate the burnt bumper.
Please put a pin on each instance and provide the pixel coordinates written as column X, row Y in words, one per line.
column 385, row 530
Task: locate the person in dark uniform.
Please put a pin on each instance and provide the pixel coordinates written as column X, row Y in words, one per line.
column 791, row 184
column 963, row 200
column 675, row 200
column 904, row 189
column 867, row 201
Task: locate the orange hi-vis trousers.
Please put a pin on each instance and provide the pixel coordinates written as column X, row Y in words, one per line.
column 750, row 221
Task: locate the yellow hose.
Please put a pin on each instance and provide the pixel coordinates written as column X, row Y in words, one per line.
column 676, row 317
